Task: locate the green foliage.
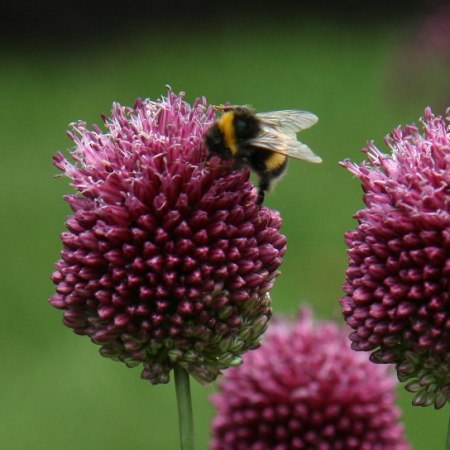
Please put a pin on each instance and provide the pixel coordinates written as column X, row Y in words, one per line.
column 56, row 391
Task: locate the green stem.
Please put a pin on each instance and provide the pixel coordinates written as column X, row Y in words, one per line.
column 185, row 419
column 447, row 447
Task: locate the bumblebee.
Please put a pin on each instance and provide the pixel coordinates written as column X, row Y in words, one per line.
column 261, row 141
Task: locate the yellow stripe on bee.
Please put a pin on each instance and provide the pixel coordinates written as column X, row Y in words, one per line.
column 275, row 160
column 227, row 128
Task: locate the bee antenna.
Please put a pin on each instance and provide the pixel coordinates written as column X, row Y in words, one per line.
column 223, row 107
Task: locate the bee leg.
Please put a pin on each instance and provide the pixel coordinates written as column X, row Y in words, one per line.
column 264, row 185
column 261, row 196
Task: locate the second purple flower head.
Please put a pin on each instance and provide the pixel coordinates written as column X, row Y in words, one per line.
column 398, row 280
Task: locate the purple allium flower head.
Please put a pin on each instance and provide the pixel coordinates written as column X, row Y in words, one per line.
column 398, row 281
column 304, row 388
column 167, row 258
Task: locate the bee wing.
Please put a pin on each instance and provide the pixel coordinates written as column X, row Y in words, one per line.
column 286, row 145
column 289, row 121
column 279, row 133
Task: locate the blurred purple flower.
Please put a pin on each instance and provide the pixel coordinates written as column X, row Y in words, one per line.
column 304, row 388
column 167, row 259
column 433, row 34
column 420, row 62
column 398, row 279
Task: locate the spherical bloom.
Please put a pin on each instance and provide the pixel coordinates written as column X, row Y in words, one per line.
column 398, row 281
column 304, row 388
column 167, row 258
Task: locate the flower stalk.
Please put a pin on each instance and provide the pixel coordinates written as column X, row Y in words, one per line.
column 184, row 403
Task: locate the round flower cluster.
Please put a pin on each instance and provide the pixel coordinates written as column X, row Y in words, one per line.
column 304, row 388
column 398, row 281
column 167, row 258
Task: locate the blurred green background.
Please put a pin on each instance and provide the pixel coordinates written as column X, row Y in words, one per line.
column 56, row 391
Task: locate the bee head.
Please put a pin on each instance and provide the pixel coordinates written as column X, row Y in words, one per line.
column 245, row 124
column 232, row 129
column 215, row 143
